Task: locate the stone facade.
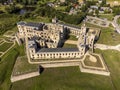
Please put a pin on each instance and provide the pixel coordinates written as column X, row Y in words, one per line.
column 44, row 40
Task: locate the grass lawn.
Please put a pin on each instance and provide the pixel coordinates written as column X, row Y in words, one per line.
column 2, row 8
column 22, row 66
column 109, row 37
column 5, row 46
column 38, row 19
column 118, row 21
column 67, row 78
column 70, row 78
column 88, row 62
column 92, row 25
column 72, row 37
column 0, row 53
column 112, row 59
column 6, row 66
column 9, row 33
column 112, row 1
column 61, row 8
column 1, row 41
column 69, row 45
column 109, row 17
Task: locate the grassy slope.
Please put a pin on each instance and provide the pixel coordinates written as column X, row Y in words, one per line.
column 6, row 66
column 22, row 66
column 67, row 78
column 112, row 59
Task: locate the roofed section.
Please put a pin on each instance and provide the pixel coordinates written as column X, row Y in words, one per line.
column 58, row 50
column 21, row 23
column 34, row 24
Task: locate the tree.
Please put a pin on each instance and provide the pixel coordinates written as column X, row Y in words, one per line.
column 12, row 9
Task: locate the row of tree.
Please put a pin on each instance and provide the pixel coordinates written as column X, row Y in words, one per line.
column 7, row 22
column 12, row 9
column 25, row 2
column 50, row 12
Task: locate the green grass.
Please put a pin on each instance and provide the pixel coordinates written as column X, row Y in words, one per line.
column 6, row 66
column 112, row 59
column 5, row 46
column 67, row 78
column 69, row 45
column 22, row 66
column 0, row 53
column 109, row 17
column 118, row 21
column 21, row 50
column 2, row 8
column 61, row 8
column 92, row 25
column 109, row 37
column 94, row 64
column 7, row 22
column 1, row 41
column 72, row 37
column 72, row 79
column 9, row 33
column 38, row 19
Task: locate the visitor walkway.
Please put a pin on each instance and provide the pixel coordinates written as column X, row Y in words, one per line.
column 106, row 47
column 115, row 23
